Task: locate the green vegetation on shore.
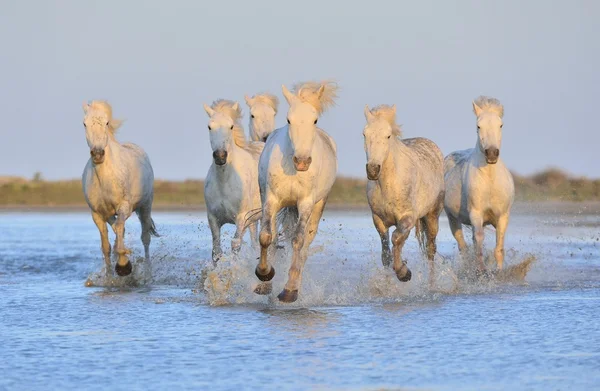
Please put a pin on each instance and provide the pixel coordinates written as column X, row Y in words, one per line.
column 549, row 185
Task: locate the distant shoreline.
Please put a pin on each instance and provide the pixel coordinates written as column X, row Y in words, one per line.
column 550, row 187
column 519, row 208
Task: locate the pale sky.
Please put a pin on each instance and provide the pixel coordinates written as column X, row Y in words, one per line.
column 157, row 62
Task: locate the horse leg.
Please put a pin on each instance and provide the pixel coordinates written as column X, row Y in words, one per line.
column 431, row 225
column 215, row 230
column 101, row 224
column 253, row 234
column 308, row 224
column 386, row 256
column 146, row 222
column 456, row 228
column 236, row 241
column 501, row 226
column 399, row 237
column 123, row 266
column 264, row 271
column 478, row 237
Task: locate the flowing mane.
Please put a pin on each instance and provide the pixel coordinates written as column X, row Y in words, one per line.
column 388, row 114
column 493, row 105
column 266, row 99
column 104, row 107
column 308, row 92
column 226, row 107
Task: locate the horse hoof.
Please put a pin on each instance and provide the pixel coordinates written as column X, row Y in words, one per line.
column 265, row 277
column 406, row 277
column 287, row 296
column 123, row 270
column 264, row 288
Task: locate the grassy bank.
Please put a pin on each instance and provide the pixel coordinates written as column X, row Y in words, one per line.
column 549, row 185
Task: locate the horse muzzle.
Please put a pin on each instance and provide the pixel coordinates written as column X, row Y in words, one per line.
column 491, row 155
column 220, row 157
column 373, row 171
column 302, row 164
column 97, row 155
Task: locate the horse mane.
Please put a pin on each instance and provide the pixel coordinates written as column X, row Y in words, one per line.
column 104, row 107
column 388, row 114
column 493, row 105
column 225, row 106
column 267, row 99
column 308, row 92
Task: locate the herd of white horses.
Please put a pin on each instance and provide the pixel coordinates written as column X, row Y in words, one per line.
column 280, row 180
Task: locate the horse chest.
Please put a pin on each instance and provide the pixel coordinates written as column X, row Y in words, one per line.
column 387, row 203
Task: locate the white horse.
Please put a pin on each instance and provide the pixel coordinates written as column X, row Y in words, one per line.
column 405, row 188
column 263, row 109
column 479, row 187
column 231, row 186
column 296, row 171
column 117, row 180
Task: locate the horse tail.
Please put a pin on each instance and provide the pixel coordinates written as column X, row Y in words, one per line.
column 153, row 230
column 287, row 219
column 421, row 237
column 252, row 216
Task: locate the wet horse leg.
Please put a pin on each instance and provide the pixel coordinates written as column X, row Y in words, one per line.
column 403, row 227
column 264, row 271
column 309, row 217
column 101, row 224
column 456, row 228
column 501, row 226
column 386, row 256
column 123, row 266
column 215, row 230
column 478, row 237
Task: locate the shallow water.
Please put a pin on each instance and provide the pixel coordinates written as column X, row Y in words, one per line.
column 189, row 325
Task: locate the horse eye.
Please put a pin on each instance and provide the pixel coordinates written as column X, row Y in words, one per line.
column 84, row 125
column 251, row 115
column 107, row 123
column 501, row 126
column 231, row 127
column 209, row 128
column 288, row 121
column 389, row 136
column 478, row 127
column 316, row 121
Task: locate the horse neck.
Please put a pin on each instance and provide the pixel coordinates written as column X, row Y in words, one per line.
column 251, row 129
column 397, row 151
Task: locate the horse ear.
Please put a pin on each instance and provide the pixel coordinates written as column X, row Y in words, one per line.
column 321, row 90
column 86, row 107
column 208, row 110
column 476, row 109
column 235, row 106
column 248, row 100
column 287, row 94
column 368, row 114
column 394, row 108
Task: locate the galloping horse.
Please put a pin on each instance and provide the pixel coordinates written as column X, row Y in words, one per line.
column 479, row 188
column 117, row 180
column 405, row 188
column 296, row 171
column 231, row 186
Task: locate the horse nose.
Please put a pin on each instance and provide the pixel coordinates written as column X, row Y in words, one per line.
column 302, row 163
column 491, row 154
column 220, row 157
column 373, row 171
column 97, row 154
